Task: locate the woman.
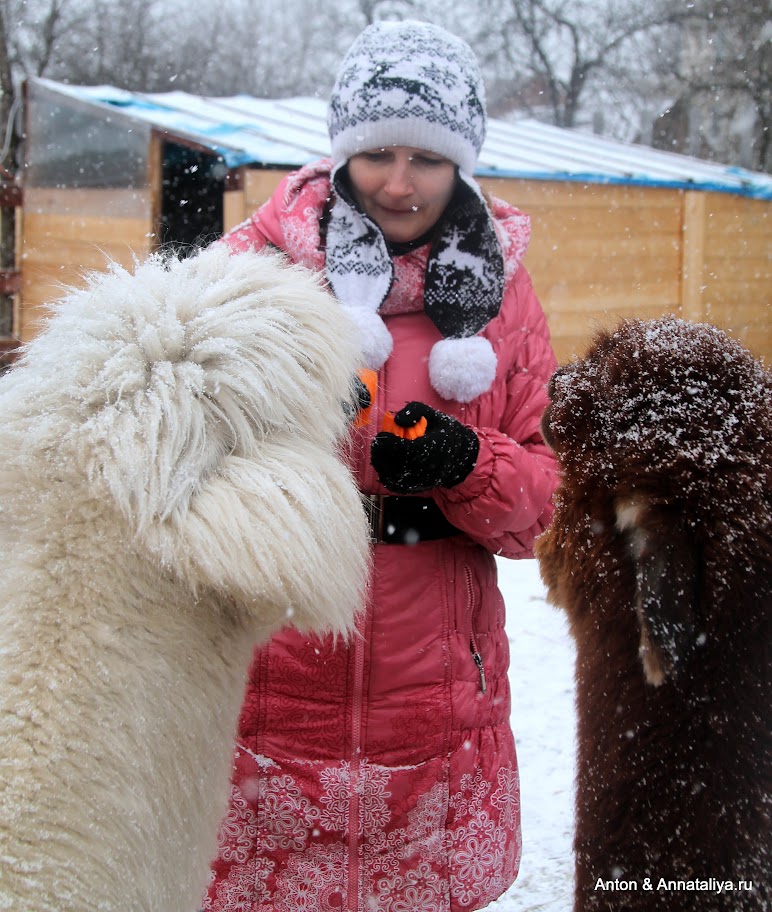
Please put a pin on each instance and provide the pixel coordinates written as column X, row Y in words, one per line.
column 381, row 773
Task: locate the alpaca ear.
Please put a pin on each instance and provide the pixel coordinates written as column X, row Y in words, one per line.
column 665, row 560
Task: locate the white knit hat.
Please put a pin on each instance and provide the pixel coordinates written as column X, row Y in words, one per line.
column 408, row 84
column 415, row 84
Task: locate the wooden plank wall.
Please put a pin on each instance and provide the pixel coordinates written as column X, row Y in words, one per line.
column 735, row 266
column 598, row 253
column 257, row 185
column 67, row 233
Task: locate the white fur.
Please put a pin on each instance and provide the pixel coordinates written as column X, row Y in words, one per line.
column 374, row 338
column 170, row 493
column 462, row 369
column 629, row 514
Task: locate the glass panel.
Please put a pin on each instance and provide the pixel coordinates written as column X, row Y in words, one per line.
column 70, row 146
column 87, row 199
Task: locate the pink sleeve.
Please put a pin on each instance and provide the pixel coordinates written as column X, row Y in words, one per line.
column 505, row 502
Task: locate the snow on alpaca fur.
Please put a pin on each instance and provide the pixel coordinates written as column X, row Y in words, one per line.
column 660, row 551
column 171, row 491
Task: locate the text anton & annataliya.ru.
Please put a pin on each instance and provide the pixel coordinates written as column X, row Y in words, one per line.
column 663, row 884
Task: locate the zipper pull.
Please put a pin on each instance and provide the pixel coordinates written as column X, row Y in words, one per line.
column 479, row 663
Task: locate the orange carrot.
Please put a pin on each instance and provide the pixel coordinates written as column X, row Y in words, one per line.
column 408, row 433
column 370, row 380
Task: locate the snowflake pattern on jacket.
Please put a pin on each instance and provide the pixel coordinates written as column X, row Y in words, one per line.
column 281, row 858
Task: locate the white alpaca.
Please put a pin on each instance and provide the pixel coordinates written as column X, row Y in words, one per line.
column 171, row 492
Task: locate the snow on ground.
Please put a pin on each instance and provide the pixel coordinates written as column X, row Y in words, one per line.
column 541, row 675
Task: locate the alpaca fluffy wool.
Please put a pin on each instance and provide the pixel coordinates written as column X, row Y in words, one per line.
column 171, row 492
column 660, row 552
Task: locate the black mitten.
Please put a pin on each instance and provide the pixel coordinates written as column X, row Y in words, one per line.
column 441, row 458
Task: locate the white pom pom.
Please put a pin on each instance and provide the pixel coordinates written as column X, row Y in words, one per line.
column 462, row 369
column 374, row 339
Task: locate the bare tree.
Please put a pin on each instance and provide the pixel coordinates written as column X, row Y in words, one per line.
column 130, row 44
column 263, row 49
column 30, row 31
column 621, row 63
column 558, row 47
column 375, row 10
column 719, row 77
column 6, row 75
column 7, row 216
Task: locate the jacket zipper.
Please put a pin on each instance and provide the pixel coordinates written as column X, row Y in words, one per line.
column 478, row 662
column 355, row 786
column 477, row 658
column 353, row 887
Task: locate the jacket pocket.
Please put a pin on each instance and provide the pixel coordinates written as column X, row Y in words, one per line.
column 473, row 607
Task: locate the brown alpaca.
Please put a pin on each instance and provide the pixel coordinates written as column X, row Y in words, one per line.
column 660, row 552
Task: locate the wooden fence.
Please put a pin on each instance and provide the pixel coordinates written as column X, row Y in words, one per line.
column 598, row 252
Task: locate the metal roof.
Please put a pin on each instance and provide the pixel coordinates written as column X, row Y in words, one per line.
column 290, row 132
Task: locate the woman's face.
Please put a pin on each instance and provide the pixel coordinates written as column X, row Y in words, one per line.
column 402, row 189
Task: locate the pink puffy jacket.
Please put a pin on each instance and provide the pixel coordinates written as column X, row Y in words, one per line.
column 381, row 773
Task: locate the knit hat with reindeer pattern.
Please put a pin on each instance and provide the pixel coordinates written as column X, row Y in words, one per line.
column 415, row 84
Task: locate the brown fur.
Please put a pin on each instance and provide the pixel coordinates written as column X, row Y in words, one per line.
column 660, row 551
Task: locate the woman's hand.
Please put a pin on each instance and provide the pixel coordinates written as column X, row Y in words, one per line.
column 440, row 458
